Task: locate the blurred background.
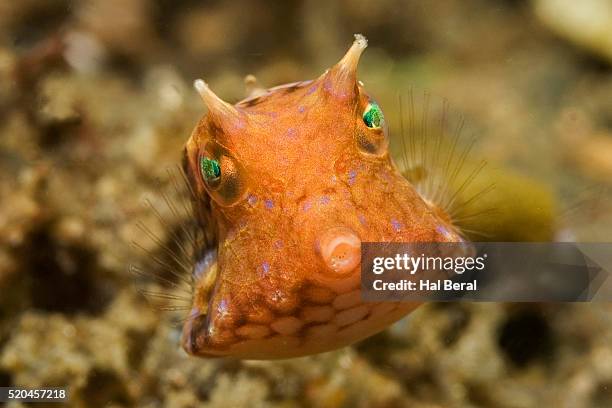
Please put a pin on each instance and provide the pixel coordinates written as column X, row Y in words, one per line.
column 96, row 103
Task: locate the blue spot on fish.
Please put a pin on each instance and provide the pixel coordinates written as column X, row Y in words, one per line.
column 446, row 233
column 442, row 229
column 265, row 268
column 301, row 109
column 397, row 226
column 291, row 133
column 252, row 199
column 269, row 204
column 222, row 307
column 324, row 200
column 352, row 175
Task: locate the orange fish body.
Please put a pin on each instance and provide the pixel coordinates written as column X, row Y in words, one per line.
column 291, row 183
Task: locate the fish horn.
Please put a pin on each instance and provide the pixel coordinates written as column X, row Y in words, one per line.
column 341, row 79
column 220, row 111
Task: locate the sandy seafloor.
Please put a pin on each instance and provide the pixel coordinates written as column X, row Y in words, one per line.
column 96, row 103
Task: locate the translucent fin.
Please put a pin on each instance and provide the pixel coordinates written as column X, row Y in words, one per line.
column 434, row 151
column 438, row 153
column 167, row 244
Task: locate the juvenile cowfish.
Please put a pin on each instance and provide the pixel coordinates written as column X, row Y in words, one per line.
column 288, row 184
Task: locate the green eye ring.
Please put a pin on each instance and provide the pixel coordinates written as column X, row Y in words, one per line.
column 373, row 116
column 211, row 170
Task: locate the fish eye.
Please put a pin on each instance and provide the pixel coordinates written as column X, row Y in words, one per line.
column 210, row 170
column 373, row 116
column 222, row 175
column 372, row 141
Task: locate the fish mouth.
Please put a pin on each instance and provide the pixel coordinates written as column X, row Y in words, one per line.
column 340, row 249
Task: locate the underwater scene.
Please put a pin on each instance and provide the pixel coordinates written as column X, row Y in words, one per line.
column 228, row 203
